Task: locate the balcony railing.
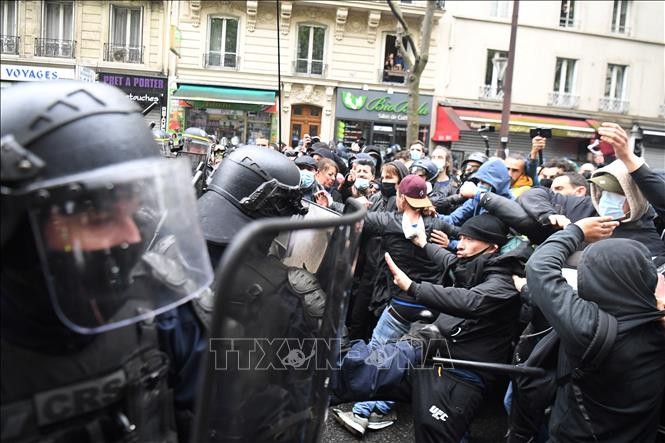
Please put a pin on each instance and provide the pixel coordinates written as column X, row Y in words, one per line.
column 487, row 92
column 123, row 54
column 563, row 100
column 568, row 22
column 9, row 44
column 49, row 47
column 309, row 67
column 393, row 76
column 613, row 105
column 219, row 60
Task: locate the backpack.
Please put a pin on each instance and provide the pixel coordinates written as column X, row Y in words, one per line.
column 533, row 395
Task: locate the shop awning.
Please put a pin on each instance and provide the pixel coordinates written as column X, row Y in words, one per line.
column 448, row 125
column 561, row 127
column 225, row 95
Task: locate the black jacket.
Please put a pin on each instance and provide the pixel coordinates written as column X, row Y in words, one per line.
column 479, row 318
column 624, row 395
column 540, row 203
column 408, row 257
column 652, row 186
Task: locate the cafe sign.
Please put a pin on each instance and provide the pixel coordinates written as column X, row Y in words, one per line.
column 358, row 104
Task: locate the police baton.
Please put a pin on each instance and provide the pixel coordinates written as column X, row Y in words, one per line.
column 493, row 367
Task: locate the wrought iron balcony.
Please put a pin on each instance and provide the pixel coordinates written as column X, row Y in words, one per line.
column 487, row 92
column 563, row 100
column 309, row 67
column 393, row 76
column 49, row 47
column 9, row 44
column 567, row 22
column 221, row 60
column 616, row 105
column 123, row 54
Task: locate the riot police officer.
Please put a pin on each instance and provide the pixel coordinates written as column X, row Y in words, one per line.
column 96, row 241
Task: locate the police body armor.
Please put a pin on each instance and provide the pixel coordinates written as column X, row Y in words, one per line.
column 104, row 392
column 275, row 331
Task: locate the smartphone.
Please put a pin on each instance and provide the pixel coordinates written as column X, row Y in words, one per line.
column 540, row 132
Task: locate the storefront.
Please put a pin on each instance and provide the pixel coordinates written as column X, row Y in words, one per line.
column 378, row 117
column 459, row 126
column 225, row 112
column 10, row 74
column 144, row 90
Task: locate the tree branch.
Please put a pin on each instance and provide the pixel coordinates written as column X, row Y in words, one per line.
column 397, row 12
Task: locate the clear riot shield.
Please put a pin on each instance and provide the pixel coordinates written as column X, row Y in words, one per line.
column 281, row 295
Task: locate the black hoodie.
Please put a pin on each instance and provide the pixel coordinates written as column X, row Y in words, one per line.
column 479, row 317
column 623, row 397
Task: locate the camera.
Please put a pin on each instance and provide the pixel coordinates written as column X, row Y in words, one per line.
column 540, row 132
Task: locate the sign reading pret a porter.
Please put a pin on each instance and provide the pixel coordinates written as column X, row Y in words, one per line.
column 34, row 73
column 357, row 104
column 142, row 89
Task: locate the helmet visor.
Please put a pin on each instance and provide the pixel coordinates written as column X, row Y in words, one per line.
column 120, row 244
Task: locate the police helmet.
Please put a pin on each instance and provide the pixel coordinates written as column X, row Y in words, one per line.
column 475, row 157
column 428, row 166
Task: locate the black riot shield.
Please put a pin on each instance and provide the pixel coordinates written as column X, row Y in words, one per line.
column 281, row 294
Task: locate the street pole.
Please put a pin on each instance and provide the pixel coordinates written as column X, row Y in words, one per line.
column 508, row 83
column 279, row 82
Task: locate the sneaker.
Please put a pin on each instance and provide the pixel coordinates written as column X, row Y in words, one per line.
column 353, row 423
column 379, row 421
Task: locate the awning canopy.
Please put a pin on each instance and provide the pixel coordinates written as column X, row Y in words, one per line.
column 561, row 127
column 226, row 95
column 448, row 125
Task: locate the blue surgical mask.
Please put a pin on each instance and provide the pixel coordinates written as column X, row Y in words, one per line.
column 416, row 155
column 483, row 187
column 306, row 178
column 361, row 184
column 611, row 205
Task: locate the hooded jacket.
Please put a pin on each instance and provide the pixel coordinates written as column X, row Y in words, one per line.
column 478, row 317
column 623, row 395
column 493, row 172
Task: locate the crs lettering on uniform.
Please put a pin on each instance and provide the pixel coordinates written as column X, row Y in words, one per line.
column 73, row 400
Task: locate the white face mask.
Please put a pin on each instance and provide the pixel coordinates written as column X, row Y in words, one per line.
column 361, row 184
column 440, row 163
column 611, row 205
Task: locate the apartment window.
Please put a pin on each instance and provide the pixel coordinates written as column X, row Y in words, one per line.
column 615, row 82
column 126, row 35
column 57, row 30
column 223, row 42
column 394, row 66
column 567, row 16
column 59, row 20
column 620, row 16
column 311, row 41
column 8, row 37
column 497, row 61
column 564, row 77
column 500, row 8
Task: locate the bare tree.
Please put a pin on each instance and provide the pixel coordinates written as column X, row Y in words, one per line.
column 415, row 58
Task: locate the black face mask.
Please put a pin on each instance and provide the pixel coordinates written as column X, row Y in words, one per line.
column 546, row 183
column 388, row 189
column 103, row 276
column 587, row 174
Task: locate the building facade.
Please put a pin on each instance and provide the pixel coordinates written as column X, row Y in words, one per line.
column 336, row 77
column 577, row 63
column 122, row 43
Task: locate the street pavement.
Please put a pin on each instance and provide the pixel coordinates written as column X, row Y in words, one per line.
column 488, row 427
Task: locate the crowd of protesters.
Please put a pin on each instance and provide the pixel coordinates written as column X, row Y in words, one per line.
column 468, row 262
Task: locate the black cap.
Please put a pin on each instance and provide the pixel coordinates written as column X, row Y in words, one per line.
column 487, row 228
column 305, row 161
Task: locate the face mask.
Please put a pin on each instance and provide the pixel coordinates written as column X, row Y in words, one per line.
column 441, row 164
column 306, row 178
column 388, row 189
column 484, row 187
column 611, row 205
column 361, row 184
column 587, row 174
column 416, row 155
column 546, row 183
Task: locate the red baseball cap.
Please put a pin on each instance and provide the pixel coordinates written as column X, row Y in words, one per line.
column 414, row 189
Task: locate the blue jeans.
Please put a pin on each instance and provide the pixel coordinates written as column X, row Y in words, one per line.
column 387, row 329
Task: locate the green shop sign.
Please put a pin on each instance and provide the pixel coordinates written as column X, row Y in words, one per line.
column 379, row 106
